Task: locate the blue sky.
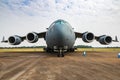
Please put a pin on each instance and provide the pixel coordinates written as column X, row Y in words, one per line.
column 18, row 17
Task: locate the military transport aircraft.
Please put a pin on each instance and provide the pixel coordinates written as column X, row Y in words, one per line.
column 60, row 37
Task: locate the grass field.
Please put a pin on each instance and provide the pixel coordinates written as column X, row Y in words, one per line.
column 99, row 49
column 22, row 50
column 41, row 49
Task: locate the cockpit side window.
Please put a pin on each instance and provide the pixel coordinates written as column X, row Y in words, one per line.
column 52, row 25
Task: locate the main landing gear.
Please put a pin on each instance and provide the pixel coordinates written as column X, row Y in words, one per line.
column 60, row 52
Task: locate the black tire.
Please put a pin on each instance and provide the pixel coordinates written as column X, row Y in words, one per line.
column 62, row 55
column 58, row 55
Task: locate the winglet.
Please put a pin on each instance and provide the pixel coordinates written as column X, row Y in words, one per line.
column 116, row 39
column 3, row 39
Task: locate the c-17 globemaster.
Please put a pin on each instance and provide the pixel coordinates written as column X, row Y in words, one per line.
column 60, row 37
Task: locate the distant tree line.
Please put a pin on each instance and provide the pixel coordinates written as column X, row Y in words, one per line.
column 78, row 46
column 83, row 46
column 24, row 47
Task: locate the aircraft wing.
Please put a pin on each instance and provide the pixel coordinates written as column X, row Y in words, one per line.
column 42, row 35
column 89, row 37
column 78, row 35
column 30, row 37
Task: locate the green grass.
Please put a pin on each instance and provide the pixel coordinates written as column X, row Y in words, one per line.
column 41, row 49
column 22, row 50
column 99, row 49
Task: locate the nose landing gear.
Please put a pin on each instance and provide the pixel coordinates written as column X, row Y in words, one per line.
column 60, row 53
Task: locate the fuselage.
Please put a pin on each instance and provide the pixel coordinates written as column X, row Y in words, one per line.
column 60, row 35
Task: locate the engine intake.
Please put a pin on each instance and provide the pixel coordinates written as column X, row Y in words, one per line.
column 14, row 40
column 32, row 37
column 105, row 40
column 88, row 37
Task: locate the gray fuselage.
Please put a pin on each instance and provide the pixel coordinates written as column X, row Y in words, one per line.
column 60, row 35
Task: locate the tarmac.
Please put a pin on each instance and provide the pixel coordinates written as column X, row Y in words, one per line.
column 46, row 66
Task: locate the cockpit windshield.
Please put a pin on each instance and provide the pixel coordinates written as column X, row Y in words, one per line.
column 60, row 21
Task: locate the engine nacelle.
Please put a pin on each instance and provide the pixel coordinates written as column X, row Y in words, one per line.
column 88, row 37
column 14, row 40
column 32, row 37
column 105, row 40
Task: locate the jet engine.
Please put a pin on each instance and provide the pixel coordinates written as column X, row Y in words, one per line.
column 32, row 37
column 88, row 37
column 14, row 40
column 105, row 40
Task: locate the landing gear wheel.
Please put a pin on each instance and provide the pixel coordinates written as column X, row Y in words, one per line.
column 60, row 54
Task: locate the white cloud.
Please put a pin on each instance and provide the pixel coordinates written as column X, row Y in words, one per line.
column 73, row 7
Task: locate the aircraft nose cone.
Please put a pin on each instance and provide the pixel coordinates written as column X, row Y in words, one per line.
column 60, row 31
column 60, row 34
